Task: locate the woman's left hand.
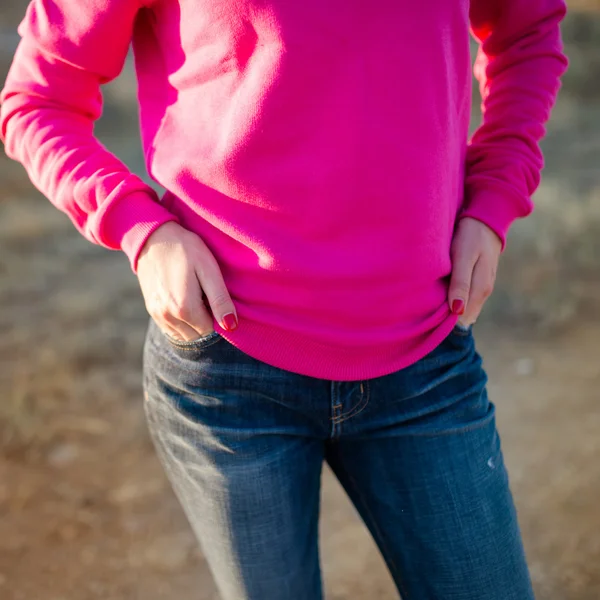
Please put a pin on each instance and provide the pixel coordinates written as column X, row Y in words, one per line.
column 475, row 254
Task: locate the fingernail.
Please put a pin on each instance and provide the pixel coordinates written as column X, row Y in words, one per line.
column 458, row 307
column 230, row 322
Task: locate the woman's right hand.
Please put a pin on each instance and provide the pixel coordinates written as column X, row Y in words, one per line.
column 175, row 268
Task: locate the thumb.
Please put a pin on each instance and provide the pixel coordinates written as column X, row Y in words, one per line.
column 460, row 285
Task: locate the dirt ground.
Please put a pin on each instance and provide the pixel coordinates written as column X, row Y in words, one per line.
column 85, row 510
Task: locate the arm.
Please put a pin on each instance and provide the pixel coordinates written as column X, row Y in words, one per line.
column 518, row 67
column 49, row 105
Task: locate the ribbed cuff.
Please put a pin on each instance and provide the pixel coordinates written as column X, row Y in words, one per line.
column 132, row 220
column 496, row 207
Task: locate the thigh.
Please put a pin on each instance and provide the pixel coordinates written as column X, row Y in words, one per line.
column 244, row 464
column 424, row 468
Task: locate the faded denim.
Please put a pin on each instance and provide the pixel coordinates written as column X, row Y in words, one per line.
column 417, row 451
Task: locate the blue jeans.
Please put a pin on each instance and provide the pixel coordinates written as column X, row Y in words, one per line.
column 417, row 451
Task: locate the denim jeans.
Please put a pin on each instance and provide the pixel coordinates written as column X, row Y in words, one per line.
column 417, row 451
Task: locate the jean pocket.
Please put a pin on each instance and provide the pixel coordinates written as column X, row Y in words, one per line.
column 198, row 344
column 464, row 330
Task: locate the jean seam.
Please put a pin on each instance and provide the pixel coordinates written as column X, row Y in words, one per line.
column 335, row 406
column 358, row 408
column 365, row 506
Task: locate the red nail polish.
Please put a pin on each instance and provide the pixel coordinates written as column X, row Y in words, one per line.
column 230, row 322
column 458, row 307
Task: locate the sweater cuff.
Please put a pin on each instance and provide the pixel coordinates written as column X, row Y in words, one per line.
column 496, row 208
column 131, row 221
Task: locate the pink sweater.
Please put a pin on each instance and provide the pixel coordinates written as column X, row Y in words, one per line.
column 319, row 147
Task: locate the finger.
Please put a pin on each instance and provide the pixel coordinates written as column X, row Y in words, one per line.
column 181, row 332
column 482, row 285
column 190, row 321
column 460, row 281
column 193, row 320
column 219, row 300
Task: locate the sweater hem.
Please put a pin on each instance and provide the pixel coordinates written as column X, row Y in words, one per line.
column 306, row 356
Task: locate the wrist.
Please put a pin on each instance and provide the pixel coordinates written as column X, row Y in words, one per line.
column 164, row 233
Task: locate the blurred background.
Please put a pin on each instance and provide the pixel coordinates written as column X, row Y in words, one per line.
column 85, row 511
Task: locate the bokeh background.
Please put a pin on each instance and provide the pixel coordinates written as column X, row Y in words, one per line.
column 85, row 511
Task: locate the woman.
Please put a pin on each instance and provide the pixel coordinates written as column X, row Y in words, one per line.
column 327, row 238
